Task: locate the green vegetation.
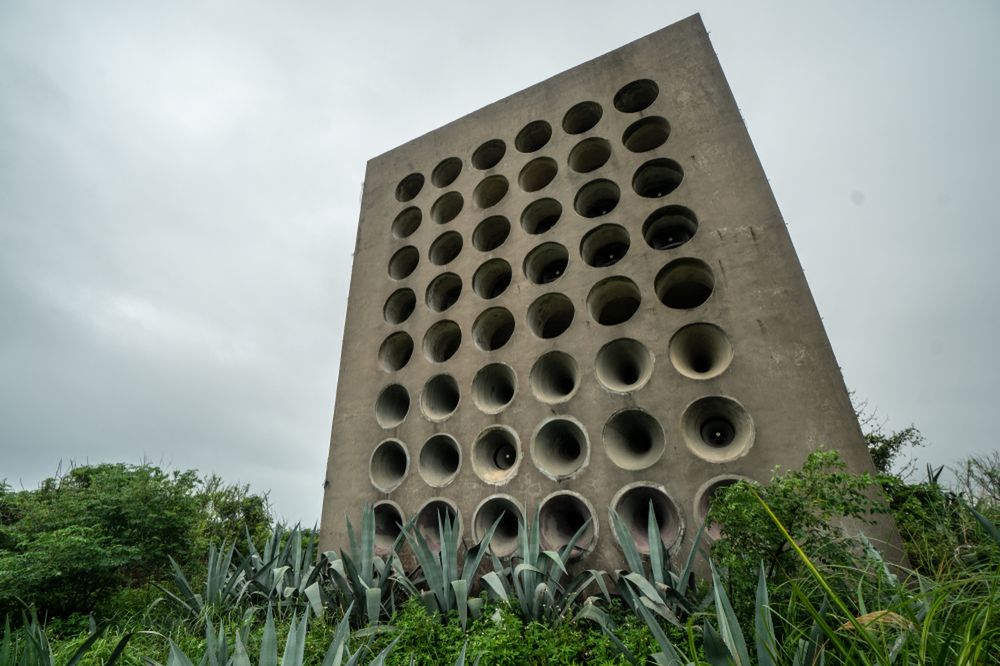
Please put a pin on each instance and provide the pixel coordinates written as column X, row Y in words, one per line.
column 129, row 564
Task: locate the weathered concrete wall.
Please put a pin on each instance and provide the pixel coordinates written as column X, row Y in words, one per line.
column 656, row 336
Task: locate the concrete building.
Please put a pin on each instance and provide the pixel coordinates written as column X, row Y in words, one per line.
column 578, row 297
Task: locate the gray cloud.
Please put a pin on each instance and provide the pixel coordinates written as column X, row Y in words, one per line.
column 179, row 189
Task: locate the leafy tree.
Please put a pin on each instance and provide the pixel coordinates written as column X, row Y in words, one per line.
column 812, row 503
column 86, row 533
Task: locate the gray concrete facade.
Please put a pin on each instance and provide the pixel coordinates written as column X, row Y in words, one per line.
column 581, row 296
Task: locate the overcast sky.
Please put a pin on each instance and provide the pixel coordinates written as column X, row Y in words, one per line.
column 180, row 183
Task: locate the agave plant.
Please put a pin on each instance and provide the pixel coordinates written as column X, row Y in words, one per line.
column 363, row 580
column 446, row 590
column 30, row 646
column 217, row 649
column 284, row 573
column 533, row 585
column 656, row 587
column 723, row 643
column 225, row 584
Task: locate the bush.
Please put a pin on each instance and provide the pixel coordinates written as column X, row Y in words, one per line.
column 82, row 536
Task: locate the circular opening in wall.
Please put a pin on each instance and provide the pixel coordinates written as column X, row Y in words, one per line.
column 507, row 514
column 496, row 455
column 669, row 227
column 589, row 155
column 657, row 178
column 491, row 279
column 550, row 315
column 446, row 172
column 392, row 405
column 623, row 365
column 561, row 515
column 493, row 329
column 554, row 377
column 439, row 460
column 717, row 429
column 613, row 301
column 646, row 134
column 443, row 292
column 494, row 387
column 546, row 263
column 399, row 306
column 395, row 351
column 633, row 439
column 701, row 351
column 684, row 284
column 533, row 136
column 490, row 191
column 540, row 216
column 407, row 222
column 409, row 187
column 582, row 117
column 604, row 245
column 441, row 341
column 704, row 497
column 447, row 207
column 632, row 504
column 636, row 96
column 403, row 262
column 440, row 396
column 445, row 248
column 389, row 523
column 432, row 515
column 596, row 198
column 388, row 465
column 491, row 233
column 537, row 173
column 489, row 154
column 560, row 448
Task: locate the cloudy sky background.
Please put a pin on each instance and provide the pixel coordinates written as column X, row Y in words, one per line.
column 180, row 183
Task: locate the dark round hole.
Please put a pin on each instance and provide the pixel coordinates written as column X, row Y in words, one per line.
column 491, row 279
column 684, row 284
column 669, row 227
column 540, row 216
column 717, row 432
column 406, row 222
column 537, row 173
column 596, row 198
column 399, row 306
column 554, row 377
column 489, row 154
column 605, row 245
column 490, row 191
column 582, row 117
column 403, row 262
column 646, row 134
column 395, row 351
column 589, row 155
column 447, row 207
column 636, row 96
column 446, row 172
column 445, row 248
column 546, row 263
column 443, row 292
column 441, row 341
column 613, row 301
column 533, row 137
column 491, row 233
column 550, row 315
column 657, row 178
column 493, row 329
column 439, row 399
column 409, row 187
